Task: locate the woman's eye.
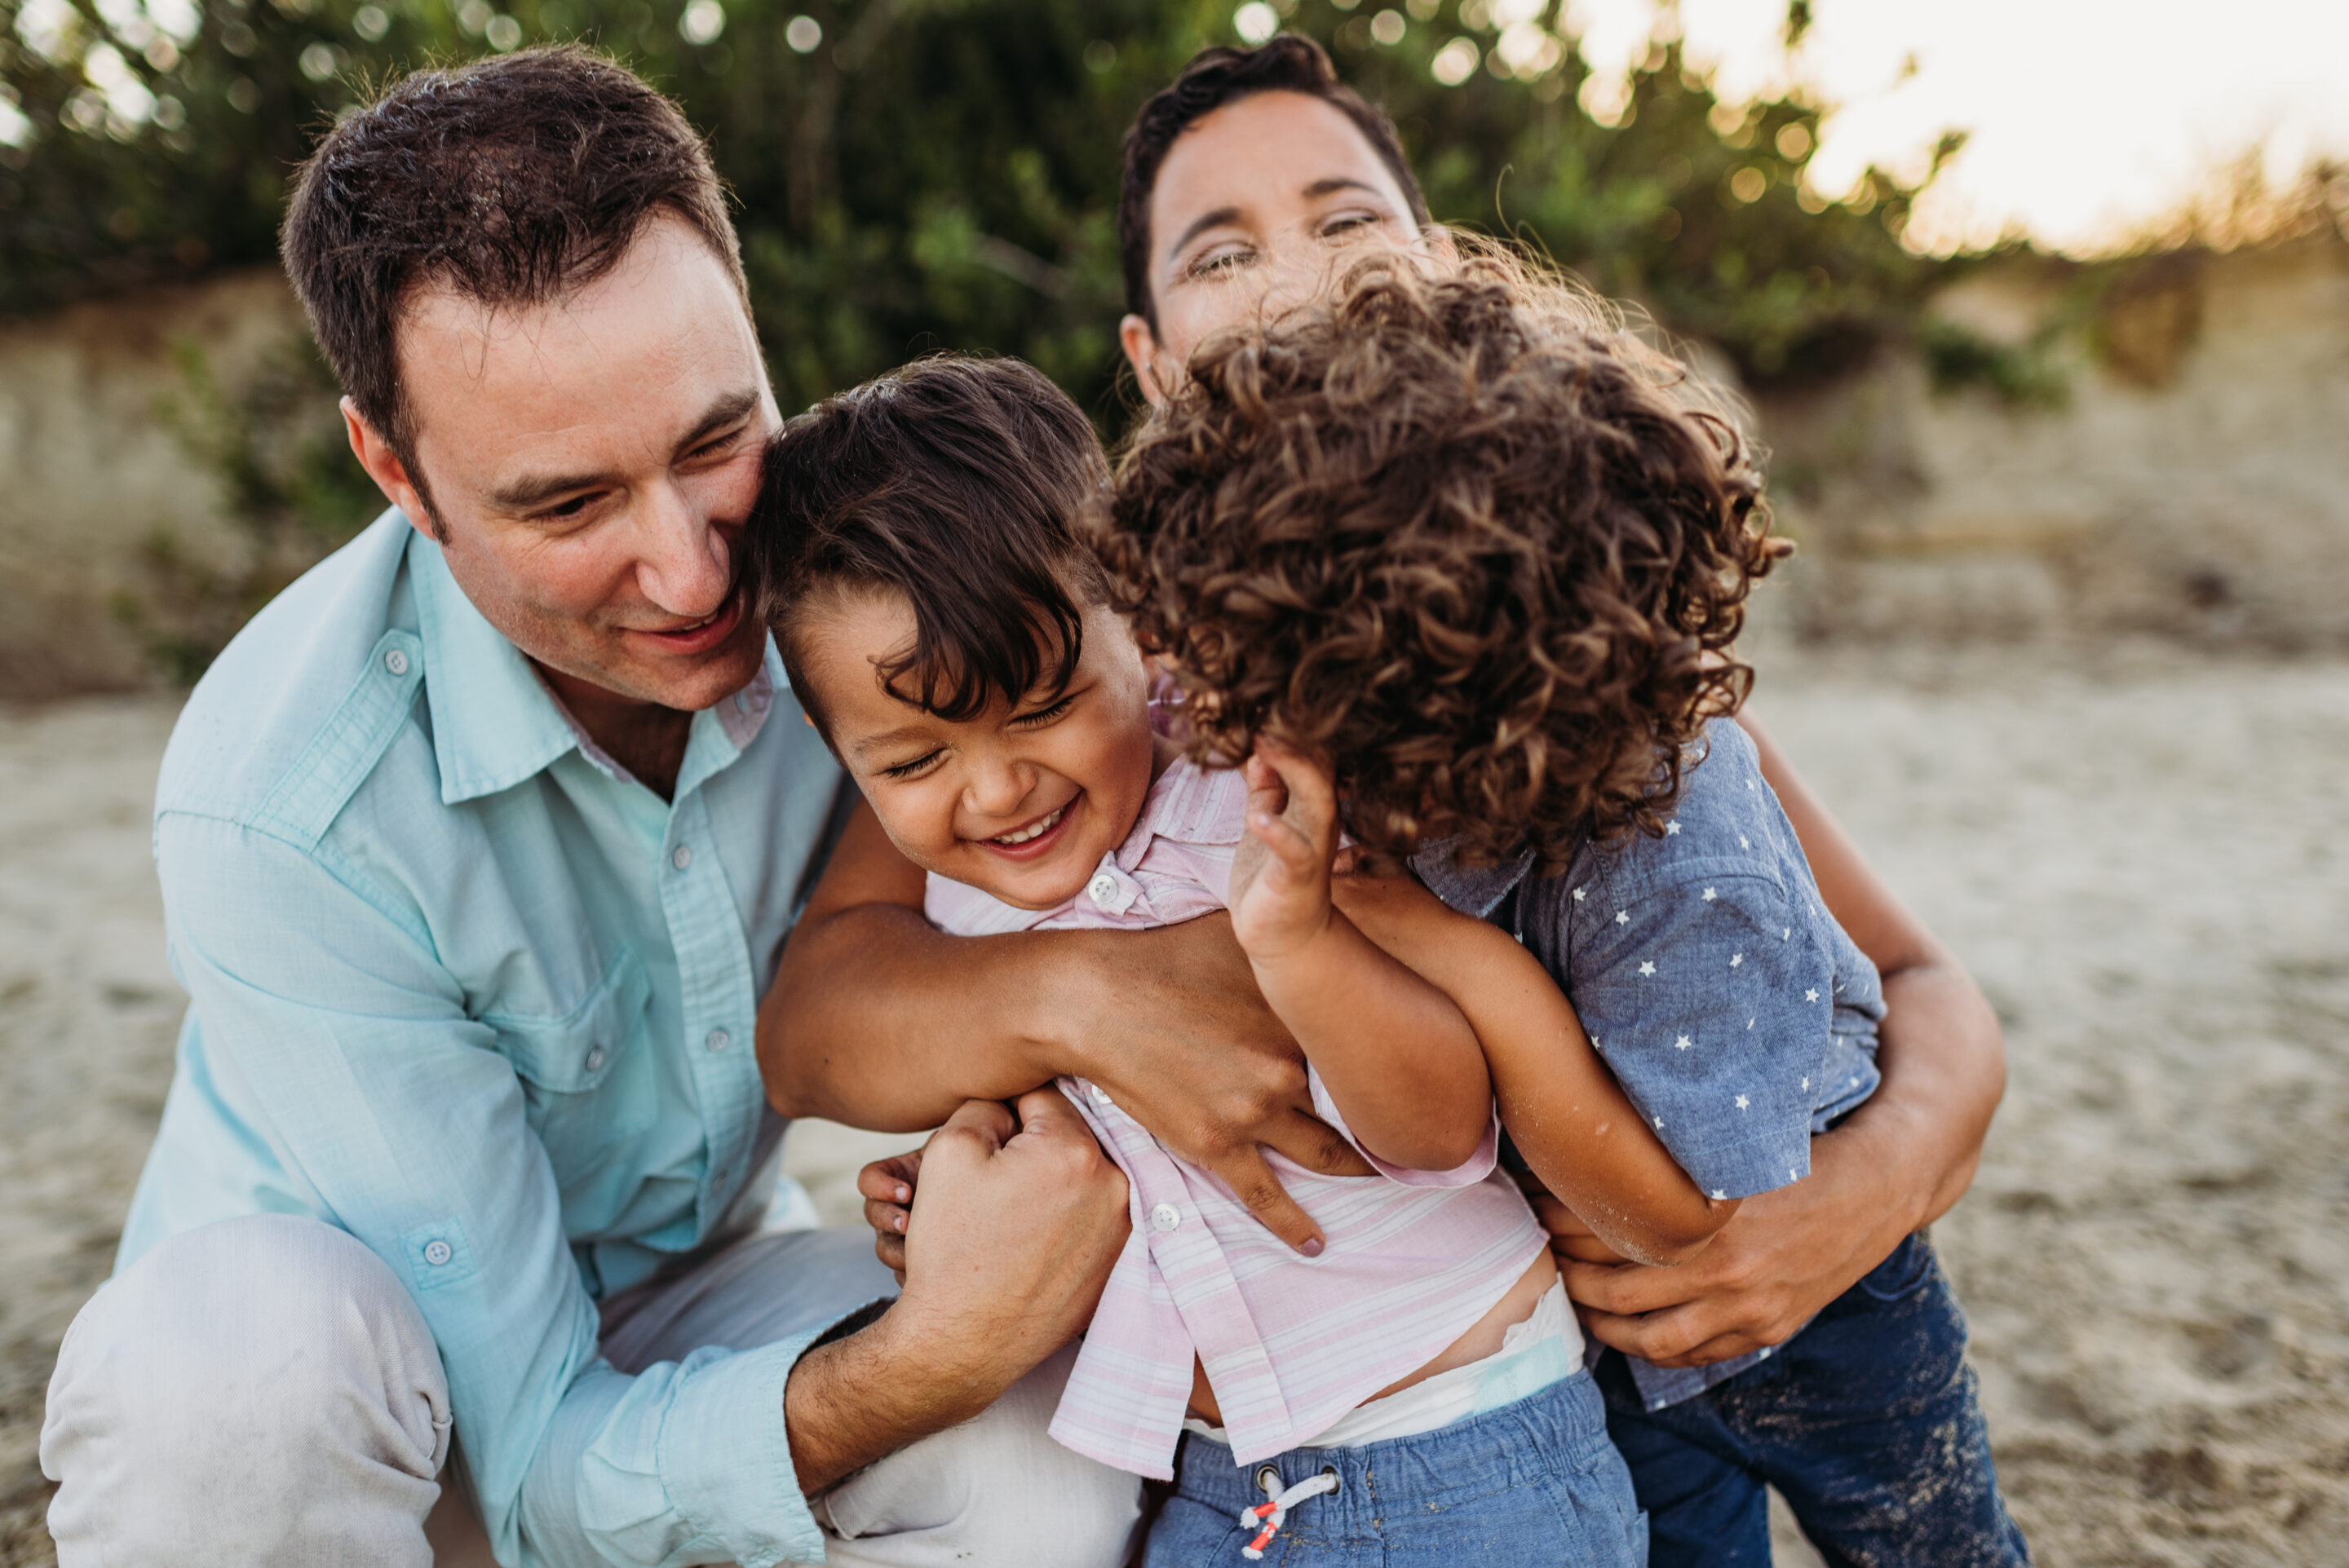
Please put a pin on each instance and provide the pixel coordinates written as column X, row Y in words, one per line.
column 1221, row 260
column 1346, row 224
column 920, row 765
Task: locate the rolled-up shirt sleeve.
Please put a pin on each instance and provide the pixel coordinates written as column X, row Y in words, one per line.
column 332, row 1035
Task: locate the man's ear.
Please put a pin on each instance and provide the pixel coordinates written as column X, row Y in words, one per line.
column 383, row 466
column 1141, row 345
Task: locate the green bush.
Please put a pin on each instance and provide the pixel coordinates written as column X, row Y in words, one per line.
column 943, row 172
column 918, row 174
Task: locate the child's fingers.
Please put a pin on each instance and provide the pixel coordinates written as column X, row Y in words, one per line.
column 890, row 1180
column 1312, row 795
column 1294, row 853
column 887, row 1219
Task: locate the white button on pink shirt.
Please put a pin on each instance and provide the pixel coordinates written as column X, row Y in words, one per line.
column 1413, row 1258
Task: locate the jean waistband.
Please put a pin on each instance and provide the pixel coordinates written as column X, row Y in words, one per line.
column 1560, row 1427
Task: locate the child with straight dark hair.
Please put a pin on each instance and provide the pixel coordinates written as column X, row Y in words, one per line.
column 1410, row 1392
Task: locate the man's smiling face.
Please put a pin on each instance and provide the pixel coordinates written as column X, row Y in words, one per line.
column 1255, row 209
column 591, row 462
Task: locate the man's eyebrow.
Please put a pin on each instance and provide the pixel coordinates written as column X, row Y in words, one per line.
column 528, row 493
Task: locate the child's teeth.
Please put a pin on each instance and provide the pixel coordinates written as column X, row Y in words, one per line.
column 1024, row 834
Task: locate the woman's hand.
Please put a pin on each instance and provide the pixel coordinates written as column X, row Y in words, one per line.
column 1281, row 875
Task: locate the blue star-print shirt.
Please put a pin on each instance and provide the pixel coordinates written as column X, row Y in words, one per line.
column 1735, row 1013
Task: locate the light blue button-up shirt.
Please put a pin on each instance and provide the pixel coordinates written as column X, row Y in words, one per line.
column 466, row 989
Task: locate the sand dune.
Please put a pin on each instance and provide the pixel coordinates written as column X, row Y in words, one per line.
column 2141, row 851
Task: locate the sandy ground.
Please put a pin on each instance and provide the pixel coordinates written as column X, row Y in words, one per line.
column 2141, row 852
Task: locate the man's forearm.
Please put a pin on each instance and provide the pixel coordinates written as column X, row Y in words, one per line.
column 862, row 1399
column 879, row 1020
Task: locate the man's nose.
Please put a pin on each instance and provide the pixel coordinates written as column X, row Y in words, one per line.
column 685, row 564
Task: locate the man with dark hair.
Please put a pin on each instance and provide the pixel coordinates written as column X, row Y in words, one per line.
column 477, row 847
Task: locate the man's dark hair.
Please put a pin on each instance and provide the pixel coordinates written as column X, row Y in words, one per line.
column 962, row 483
column 1222, row 75
column 514, row 181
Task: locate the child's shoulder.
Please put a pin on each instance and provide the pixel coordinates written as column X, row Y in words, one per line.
column 1726, row 823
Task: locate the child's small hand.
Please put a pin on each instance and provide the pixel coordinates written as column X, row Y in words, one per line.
column 1280, row 877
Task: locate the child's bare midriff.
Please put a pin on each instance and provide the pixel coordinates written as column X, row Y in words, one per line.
column 1483, row 1338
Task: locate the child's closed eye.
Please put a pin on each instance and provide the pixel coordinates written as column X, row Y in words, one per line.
column 914, row 770
column 1044, row 716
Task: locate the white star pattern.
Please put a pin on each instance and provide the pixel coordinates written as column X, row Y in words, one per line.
column 1660, row 1124
column 1672, row 827
column 1749, row 783
column 1806, row 1083
column 1735, row 959
column 1683, row 1043
column 1648, row 966
column 1578, row 893
column 1710, row 895
column 1785, row 934
column 1793, row 1175
column 1623, row 917
column 1719, row 1196
column 1749, row 1023
column 1810, row 995
column 1744, row 842
column 1741, row 1102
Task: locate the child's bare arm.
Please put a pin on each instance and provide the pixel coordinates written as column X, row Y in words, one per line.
column 1570, row 1119
column 1397, row 1056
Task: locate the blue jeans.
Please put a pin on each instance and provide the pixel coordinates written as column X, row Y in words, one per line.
column 1866, row 1422
column 1531, row 1485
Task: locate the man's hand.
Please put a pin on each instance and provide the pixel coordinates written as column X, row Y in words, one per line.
column 1017, row 1226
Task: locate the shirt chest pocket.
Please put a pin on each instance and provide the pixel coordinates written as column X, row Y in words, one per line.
column 565, row 1061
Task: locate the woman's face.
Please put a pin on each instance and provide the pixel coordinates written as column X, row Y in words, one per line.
column 1023, row 800
column 1257, row 207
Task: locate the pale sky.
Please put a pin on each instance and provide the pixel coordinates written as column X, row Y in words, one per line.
column 2090, row 118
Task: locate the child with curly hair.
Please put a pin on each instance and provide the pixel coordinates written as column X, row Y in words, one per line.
column 1414, row 1387
column 1457, row 537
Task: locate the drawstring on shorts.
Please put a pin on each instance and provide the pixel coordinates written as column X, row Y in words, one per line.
column 1274, row 1513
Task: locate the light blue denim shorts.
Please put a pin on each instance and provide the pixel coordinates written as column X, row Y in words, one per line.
column 1531, row 1485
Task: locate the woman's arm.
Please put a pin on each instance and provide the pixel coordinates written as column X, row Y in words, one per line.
column 1893, row 1166
column 878, row 1019
column 1397, row 1057
column 1939, row 1048
column 1569, row 1117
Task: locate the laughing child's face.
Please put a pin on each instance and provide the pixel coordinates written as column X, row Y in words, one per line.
column 1021, row 802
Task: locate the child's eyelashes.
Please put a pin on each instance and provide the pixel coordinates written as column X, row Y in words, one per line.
column 1044, row 716
column 914, row 770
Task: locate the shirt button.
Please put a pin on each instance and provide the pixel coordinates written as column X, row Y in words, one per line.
column 1101, row 1095
column 595, row 1059
column 436, row 1253
column 1165, row 1217
column 718, row 1041
column 681, row 857
column 1103, row 888
column 396, row 661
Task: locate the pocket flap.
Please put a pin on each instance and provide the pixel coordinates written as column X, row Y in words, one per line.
column 574, row 1053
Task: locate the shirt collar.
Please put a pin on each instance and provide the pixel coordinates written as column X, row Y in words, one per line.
column 1471, row 890
column 495, row 723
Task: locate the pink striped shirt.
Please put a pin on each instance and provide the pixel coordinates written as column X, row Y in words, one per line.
column 1289, row 1344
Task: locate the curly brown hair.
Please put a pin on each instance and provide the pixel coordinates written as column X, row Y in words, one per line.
column 1463, row 537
